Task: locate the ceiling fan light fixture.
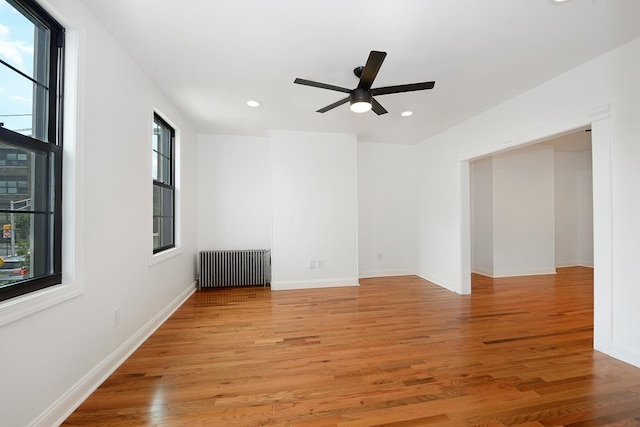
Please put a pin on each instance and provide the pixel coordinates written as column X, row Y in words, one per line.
column 360, row 107
column 360, row 100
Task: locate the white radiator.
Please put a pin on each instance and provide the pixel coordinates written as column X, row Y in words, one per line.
column 219, row 269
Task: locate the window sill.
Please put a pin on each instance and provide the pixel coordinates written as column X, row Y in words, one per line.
column 26, row 305
column 164, row 255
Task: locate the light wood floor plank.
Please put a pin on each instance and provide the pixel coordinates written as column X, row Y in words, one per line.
column 393, row 352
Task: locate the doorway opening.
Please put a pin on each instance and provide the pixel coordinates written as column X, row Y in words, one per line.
column 598, row 120
column 532, row 208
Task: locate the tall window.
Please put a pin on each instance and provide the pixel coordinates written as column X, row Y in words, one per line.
column 30, row 148
column 163, row 185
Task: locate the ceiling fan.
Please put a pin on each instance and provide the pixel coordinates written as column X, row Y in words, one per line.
column 361, row 98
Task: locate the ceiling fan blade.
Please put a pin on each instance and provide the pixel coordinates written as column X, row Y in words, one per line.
column 334, row 105
column 377, row 108
column 402, row 88
column 321, row 85
column 371, row 69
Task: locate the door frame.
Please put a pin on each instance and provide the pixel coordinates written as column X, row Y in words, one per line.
column 598, row 120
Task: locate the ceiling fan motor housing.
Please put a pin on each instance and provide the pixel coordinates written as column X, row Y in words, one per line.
column 360, row 95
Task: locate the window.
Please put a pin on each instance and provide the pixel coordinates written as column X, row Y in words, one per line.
column 163, row 185
column 30, row 148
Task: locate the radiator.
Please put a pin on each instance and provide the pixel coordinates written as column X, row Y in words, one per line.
column 219, row 269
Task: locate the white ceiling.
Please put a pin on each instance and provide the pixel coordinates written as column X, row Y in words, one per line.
column 210, row 57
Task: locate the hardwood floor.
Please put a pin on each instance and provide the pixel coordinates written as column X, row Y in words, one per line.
column 393, row 352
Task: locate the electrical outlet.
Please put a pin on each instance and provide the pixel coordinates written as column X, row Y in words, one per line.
column 312, row 263
column 116, row 316
column 379, row 256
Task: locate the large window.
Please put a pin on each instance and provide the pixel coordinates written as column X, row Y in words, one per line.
column 31, row 47
column 163, row 185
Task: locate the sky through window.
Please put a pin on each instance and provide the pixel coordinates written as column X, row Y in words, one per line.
column 16, row 49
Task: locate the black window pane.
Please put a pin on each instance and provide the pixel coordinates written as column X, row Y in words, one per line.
column 19, row 37
column 40, row 114
column 164, row 170
column 167, row 202
column 163, row 221
column 24, row 210
column 24, row 242
column 154, row 167
column 167, row 231
column 157, row 200
column 24, row 98
column 162, row 201
column 164, row 143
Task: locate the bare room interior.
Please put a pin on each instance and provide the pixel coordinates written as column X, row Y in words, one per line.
column 356, row 213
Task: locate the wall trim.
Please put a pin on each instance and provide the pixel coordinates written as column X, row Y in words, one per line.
column 386, row 273
column 572, row 264
column 483, row 272
column 79, row 392
column 626, row 354
column 603, row 249
column 525, row 272
column 311, row 284
column 545, row 130
column 439, row 282
column 26, row 305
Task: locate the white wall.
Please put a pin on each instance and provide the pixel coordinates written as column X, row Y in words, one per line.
column 585, row 210
column 523, row 212
column 558, row 106
column 52, row 359
column 314, row 210
column 440, row 228
column 387, row 210
column 574, row 208
column 528, row 191
column 482, row 216
column 234, row 199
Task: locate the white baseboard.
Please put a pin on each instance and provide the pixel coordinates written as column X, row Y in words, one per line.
column 524, row 272
column 439, row 281
column 626, row 354
column 565, row 265
column 69, row 401
column 310, row 284
column 483, row 272
column 386, row 273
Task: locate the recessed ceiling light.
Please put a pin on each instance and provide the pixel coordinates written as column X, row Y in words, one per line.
column 253, row 103
column 406, row 113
